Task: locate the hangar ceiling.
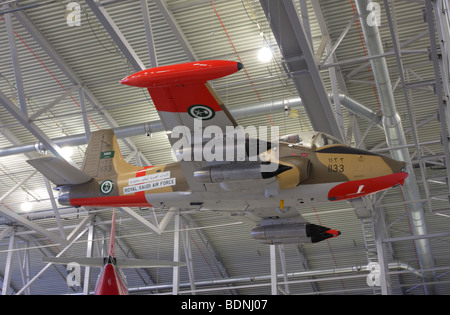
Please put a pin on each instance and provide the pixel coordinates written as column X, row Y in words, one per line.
column 330, row 70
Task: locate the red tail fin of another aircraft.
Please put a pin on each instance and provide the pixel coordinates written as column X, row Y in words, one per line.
column 112, row 240
column 111, row 280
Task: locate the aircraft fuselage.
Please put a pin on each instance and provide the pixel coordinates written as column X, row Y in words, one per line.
column 332, row 173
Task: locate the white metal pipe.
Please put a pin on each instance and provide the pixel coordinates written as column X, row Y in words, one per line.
column 238, row 112
column 306, row 273
column 395, row 134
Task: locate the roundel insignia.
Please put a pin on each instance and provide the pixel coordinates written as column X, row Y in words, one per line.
column 106, row 187
column 201, row 112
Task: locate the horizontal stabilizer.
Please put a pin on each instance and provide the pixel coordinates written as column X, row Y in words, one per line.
column 59, row 171
column 88, row 262
column 145, row 263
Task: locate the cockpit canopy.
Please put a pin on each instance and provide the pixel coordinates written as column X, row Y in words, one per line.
column 310, row 139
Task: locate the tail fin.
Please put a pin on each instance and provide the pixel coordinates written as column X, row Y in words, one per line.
column 103, row 157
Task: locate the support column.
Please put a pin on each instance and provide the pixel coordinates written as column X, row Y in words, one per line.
column 281, row 252
column 381, row 252
column 188, row 254
column 8, row 267
column 89, row 252
column 87, row 130
column 25, row 268
column 176, row 255
column 273, row 270
column 55, row 208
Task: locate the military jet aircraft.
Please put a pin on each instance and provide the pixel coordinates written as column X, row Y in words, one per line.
column 266, row 188
column 112, row 280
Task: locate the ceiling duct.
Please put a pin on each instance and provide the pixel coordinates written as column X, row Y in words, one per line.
column 238, row 112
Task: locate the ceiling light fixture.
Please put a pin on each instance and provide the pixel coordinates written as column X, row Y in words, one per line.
column 67, row 152
column 26, row 206
column 265, row 54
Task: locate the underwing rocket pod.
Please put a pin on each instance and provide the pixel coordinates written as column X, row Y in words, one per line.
column 290, row 233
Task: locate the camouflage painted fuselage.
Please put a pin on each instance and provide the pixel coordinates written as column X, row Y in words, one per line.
column 329, row 173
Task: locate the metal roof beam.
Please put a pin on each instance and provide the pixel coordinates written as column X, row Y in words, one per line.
column 47, row 47
column 21, row 220
column 117, row 36
column 402, row 45
column 31, row 127
column 149, row 33
column 15, row 62
column 82, row 225
column 158, row 227
column 334, row 73
column 40, row 273
column 55, row 208
column 87, row 130
column 298, row 56
column 176, row 29
column 305, row 20
column 50, row 105
column 70, row 74
column 5, row 232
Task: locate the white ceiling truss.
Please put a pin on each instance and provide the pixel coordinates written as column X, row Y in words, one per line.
column 383, row 89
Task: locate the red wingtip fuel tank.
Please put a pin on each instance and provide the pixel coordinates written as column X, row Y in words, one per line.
column 185, row 73
column 358, row 188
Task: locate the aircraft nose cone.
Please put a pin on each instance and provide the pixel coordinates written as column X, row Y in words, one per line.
column 399, row 166
column 396, row 166
column 404, row 168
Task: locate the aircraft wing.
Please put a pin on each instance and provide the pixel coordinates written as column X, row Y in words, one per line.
column 254, row 216
column 183, row 98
